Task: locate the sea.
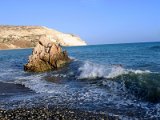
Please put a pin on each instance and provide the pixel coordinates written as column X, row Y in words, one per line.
column 116, row 79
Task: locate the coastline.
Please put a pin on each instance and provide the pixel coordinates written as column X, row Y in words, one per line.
column 75, row 88
column 16, row 49
column 88, row 45
column 52, row 113
column 33, row 47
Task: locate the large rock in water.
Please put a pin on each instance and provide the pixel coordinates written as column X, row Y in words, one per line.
column 12, row 37
column 46, row 55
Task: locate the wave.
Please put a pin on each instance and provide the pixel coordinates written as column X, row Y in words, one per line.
column 143, row 86
column 155, row 48
column 141, row 83
column 46, row 82
column 38, row 84
column 73, row 58
column 91, row 70
column 127, row 80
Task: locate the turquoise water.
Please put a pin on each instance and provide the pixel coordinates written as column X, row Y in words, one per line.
column 120, row 79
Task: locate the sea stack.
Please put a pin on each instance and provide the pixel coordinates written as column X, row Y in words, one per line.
column 47, row 55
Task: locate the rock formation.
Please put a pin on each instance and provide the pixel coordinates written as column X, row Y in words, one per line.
column 45, row 56
column 28, row 36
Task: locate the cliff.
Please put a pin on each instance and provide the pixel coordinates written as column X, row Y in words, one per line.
column 28, row 36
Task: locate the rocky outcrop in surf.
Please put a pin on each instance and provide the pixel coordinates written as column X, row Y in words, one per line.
column 12, row 37
column 47, row 55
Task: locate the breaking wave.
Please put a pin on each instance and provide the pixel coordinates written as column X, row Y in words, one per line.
column 143, row 84
column 135, row 82
column 92, row 71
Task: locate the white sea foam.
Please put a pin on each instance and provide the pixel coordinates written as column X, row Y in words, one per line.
column 88, row 70
column 73, row 58
column 37, row 84
column 139, row 71
column 116, row 71
column 91, row 70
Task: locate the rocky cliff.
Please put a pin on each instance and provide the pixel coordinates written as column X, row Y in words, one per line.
column 28, row 36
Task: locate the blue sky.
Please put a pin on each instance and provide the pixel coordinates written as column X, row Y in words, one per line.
column 96, row 21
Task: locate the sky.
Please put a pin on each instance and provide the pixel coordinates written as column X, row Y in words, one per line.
column 95, row 21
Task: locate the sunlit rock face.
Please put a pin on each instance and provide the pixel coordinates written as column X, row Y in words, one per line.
column 12, row 37
column 47, row 55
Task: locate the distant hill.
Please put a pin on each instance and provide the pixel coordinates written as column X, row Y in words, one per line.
column 27, row 36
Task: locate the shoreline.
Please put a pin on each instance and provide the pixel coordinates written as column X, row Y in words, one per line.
column 52, row 113
column 16, row 49
column 34, row 47
column 87, row 45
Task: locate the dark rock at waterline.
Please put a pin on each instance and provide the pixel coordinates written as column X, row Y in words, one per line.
column 52, row 114
column 46, row 55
